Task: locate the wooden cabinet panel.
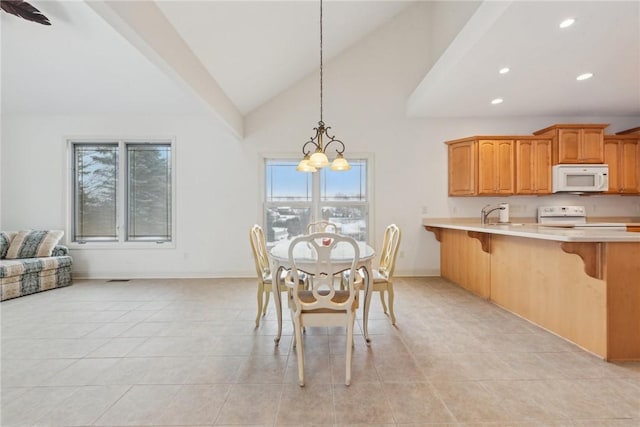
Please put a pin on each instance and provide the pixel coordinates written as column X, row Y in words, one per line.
column 568, row 150
column 463, row 261
column 591, row 146
column 462, row 169
column 611, row 158
column 576, row 143
column 533, row 166
column 525, row 175
column 495, row 167
column 622, row 154
column 630, row 166
column 542, row 166
column 487, row 167
column 506, row 167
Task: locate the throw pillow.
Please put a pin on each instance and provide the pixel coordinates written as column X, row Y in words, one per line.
column 33, row 243
column 5, row 241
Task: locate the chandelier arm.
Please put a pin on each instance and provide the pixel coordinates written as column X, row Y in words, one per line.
column 304, row 153
column 331, row 139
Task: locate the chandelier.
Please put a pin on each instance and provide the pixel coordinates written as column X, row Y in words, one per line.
column 311, row 162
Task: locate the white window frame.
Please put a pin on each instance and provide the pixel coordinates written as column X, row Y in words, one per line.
column 121, row 226
column 316, row 204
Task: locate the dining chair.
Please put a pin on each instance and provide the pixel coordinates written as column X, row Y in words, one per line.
column 383, row 275
column 325, row 303
column 263, row 271
column 322, row 227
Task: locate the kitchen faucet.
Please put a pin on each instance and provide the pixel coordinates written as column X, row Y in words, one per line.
column 484, row 213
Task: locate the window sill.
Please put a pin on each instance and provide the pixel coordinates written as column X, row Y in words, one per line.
column 120, row 245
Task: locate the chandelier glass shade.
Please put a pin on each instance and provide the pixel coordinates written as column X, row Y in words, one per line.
column 314, row 151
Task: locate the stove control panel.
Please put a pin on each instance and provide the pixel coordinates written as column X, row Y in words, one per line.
column 561, row 214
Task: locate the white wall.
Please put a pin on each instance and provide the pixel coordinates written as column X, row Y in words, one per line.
column 218, row 180
column 216, row 202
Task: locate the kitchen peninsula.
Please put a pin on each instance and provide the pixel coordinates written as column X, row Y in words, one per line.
column 581, row 284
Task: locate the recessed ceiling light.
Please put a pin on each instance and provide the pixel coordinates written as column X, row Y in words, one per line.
column 567, row 23
column 504, row 70
column 497, row 101
column 584, row 76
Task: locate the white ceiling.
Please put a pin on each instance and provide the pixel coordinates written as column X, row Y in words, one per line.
column 544, row 61
column 256, row 49
column 79, row 64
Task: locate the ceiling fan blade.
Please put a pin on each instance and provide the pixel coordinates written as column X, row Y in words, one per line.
column 24, row 10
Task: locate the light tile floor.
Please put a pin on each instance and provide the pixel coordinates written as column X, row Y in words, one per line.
column 185, row 352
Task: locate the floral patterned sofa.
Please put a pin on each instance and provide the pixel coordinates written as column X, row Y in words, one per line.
column 32, row 261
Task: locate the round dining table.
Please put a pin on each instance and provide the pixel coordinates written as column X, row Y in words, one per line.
column 305, row 261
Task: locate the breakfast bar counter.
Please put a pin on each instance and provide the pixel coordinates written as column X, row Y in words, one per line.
column 582, row 284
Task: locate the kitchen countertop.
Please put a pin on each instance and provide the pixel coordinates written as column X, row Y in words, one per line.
column 560, row 233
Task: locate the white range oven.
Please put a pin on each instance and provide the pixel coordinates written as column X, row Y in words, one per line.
column 575, row 217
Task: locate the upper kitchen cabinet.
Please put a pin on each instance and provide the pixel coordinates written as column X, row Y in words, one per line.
column 462, row 167
column 481, row 166
column 622, row 154
column 575, row 143
column 496, row 167
column 533, row 166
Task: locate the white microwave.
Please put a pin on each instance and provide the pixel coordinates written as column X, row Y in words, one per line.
column 578, row 178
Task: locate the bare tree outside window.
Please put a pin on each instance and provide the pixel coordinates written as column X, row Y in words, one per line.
column 140, row 205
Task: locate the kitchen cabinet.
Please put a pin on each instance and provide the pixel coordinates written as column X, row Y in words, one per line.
column 462, row 168
column 481, row 166
column 622, row 154
column 533, row 166
column 496, row 166
column 584, row 291
column 575, row 143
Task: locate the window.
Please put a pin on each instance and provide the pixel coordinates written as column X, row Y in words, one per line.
column 122, row 186
column 294, row 199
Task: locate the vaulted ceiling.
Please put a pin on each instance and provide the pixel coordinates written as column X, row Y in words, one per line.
column 230, row 57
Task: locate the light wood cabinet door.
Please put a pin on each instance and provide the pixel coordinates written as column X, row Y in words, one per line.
column 623, row 157
column 580, row 145
column 630, row 167
column 591, row 146
column 612, row 158
column 496, row 167
column 533, row 166
column 568, row 142
column 462, row 168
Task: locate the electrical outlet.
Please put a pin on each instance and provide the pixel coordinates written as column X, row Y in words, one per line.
column 424, row 210
column 401, row 254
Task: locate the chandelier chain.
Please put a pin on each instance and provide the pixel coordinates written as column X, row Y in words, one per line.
column 321, row 60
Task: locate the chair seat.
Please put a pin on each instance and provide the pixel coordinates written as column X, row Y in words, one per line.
column 376, row 276
column 339, row 297
column 268, row 277
column 379, row 277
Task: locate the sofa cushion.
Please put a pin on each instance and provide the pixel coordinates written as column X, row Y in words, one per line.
column 5, row 241
column 33, row 243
